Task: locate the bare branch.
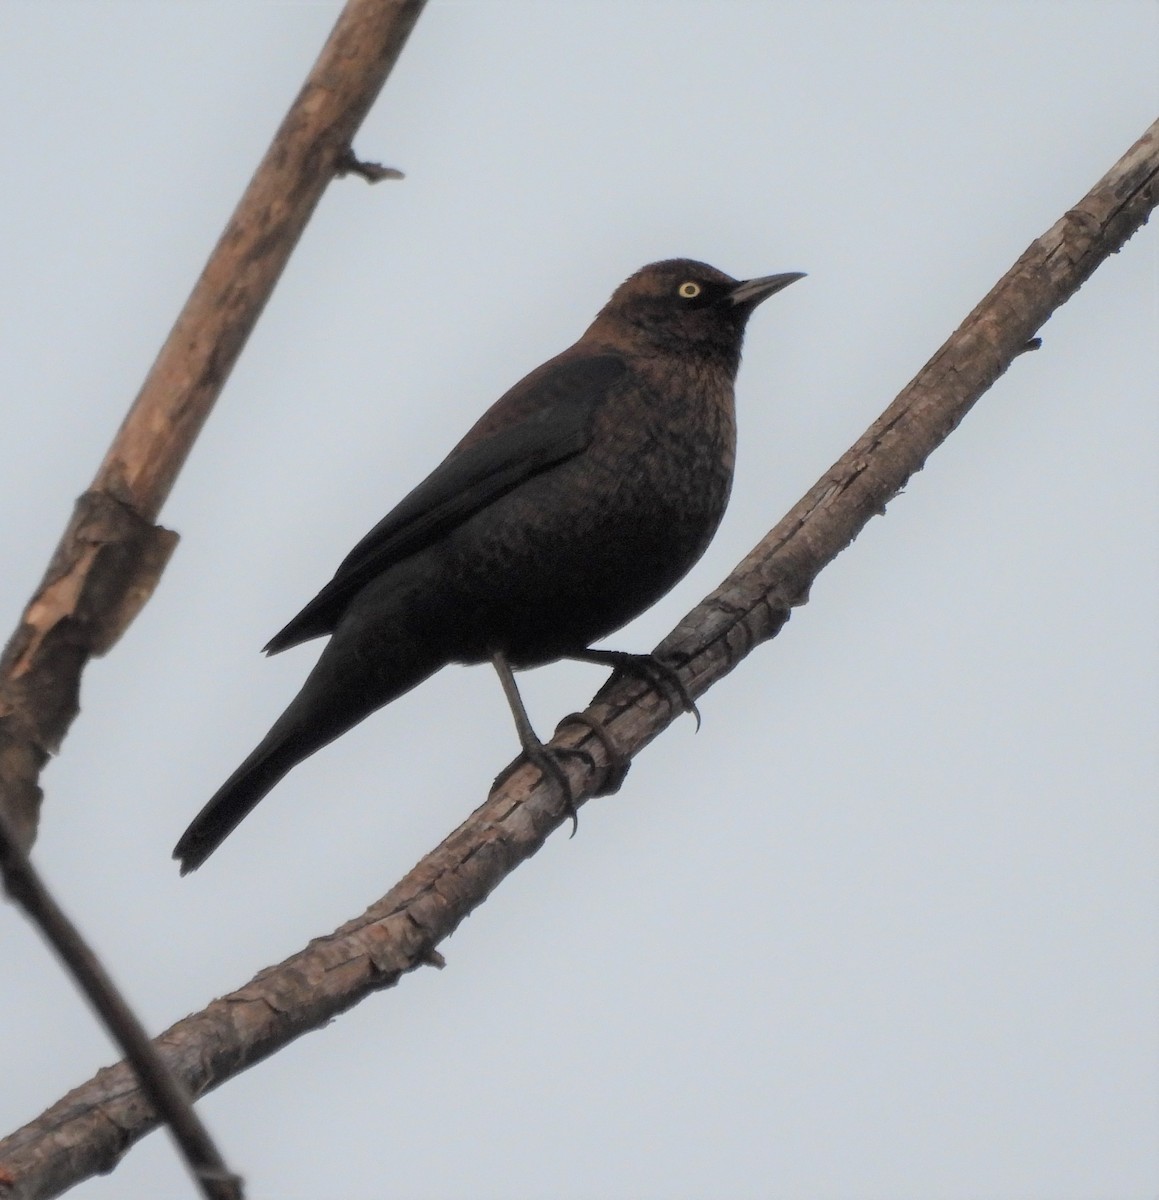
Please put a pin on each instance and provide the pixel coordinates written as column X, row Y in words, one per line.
column 165, row 1092
column 111, row 555
column 88, row 1129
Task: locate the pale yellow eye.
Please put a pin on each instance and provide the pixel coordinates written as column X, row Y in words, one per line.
column 688, row 290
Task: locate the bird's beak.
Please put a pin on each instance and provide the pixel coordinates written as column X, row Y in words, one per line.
column 750, row 293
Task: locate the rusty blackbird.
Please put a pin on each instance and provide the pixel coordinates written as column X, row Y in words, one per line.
column 576, row 501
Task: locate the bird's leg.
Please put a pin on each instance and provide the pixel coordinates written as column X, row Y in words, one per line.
column 657, row 674
column 534, row 750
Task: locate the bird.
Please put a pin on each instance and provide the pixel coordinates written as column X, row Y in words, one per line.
column 573, row 504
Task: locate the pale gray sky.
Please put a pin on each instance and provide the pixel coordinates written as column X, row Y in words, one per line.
column 888, row 926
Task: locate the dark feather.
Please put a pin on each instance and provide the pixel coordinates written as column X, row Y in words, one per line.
column 561, row 401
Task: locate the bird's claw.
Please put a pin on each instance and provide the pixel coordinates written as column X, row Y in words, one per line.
column 618, row 762
column 659, row 675
column 547, row 760
column 671, row 678
column 548, row 763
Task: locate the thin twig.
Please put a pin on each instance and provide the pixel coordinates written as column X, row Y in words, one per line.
column 399, row 932
column 350, row 164
column 165, row 1092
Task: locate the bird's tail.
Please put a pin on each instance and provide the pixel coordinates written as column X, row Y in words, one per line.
column 237, row 797
column 380, row 650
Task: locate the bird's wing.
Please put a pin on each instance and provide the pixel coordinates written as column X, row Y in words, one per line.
column 543, row 420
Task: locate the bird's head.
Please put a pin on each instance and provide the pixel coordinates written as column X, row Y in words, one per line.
column 683, row 304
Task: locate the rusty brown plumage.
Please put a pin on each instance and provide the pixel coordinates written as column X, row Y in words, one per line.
column 576, row 501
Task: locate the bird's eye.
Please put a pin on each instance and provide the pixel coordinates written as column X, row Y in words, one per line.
column 688, row 290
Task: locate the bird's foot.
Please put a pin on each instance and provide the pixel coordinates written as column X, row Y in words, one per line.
column 653, row 671
column 618, row 762
column 547, row 760
column 548, row 763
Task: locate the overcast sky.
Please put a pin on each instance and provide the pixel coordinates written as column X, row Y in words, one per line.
column 888, row 926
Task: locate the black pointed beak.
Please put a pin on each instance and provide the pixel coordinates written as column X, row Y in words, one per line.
column 750, row 293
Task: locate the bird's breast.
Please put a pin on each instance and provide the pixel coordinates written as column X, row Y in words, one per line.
column 576, row 552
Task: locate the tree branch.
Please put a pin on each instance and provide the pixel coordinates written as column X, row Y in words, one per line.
column 112, row 554
column 167, row 1094
column 88, row 1129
